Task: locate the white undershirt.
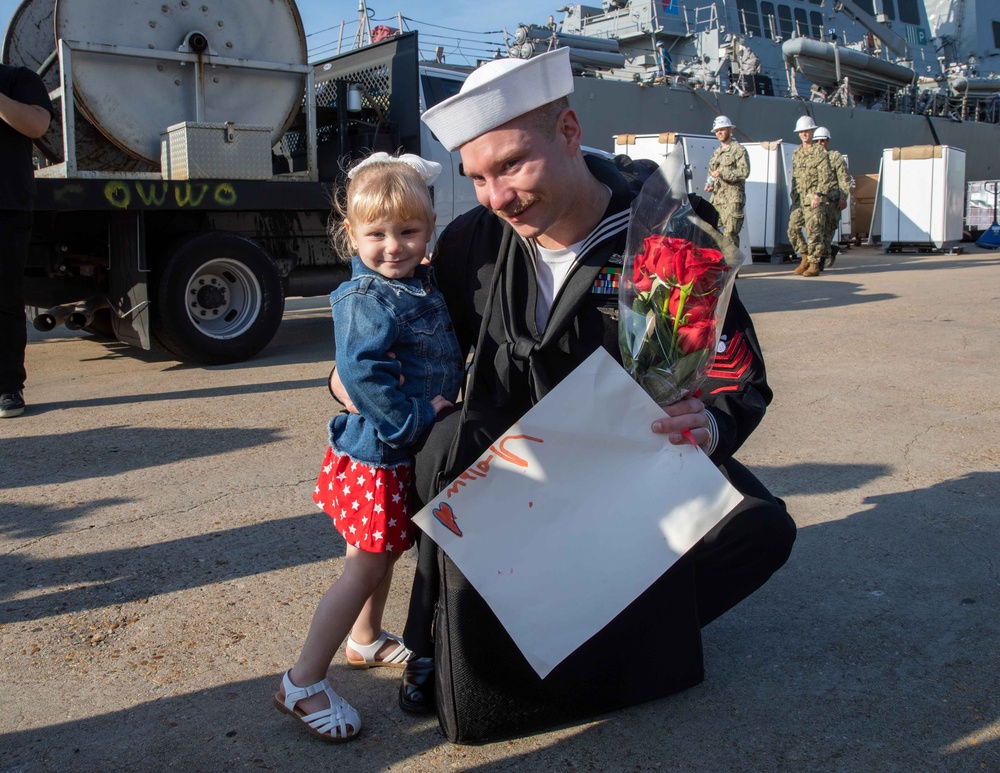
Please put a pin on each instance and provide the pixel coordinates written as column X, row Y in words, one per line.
column 551, row 270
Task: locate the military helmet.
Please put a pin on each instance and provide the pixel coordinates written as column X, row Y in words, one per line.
column 722, row 122
column 804, row 124
column 821, row 133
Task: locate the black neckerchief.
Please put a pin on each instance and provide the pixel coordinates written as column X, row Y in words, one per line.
column 519, row 353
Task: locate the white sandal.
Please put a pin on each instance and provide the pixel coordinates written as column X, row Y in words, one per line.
column 329, row 724
column 395, row 659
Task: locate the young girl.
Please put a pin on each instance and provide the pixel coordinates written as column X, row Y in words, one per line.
column 390, row 305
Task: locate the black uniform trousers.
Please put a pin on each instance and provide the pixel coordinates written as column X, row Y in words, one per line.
column 732, row 561
column 15, row 232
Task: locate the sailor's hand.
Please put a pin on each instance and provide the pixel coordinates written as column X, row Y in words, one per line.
column 716, row 173
column 687, row 417
column 842, row 205
column 440, row 403
column 817, row 201
column 336, row 387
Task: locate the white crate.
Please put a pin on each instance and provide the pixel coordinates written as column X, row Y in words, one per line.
column 221, row 151
column 923, row 190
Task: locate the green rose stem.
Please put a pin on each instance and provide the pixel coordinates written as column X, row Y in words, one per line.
column 685, row 294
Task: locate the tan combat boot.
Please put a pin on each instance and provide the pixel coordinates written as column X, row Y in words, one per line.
column 813, row 270
column 802, row 266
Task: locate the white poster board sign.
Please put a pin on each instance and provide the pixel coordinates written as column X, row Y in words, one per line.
column 575, row 511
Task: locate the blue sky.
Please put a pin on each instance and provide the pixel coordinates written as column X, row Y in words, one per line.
column 446, row 23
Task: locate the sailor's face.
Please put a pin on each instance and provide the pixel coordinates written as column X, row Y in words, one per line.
column 806, row 136
column 521, row 173
column 724, row 134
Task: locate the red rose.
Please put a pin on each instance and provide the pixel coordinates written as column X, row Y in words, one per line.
column 660, row 257
column 676, row 268
column 643, row 281
column 706, row 269
column 677, row 261
column 696, row 308
column 695, row 336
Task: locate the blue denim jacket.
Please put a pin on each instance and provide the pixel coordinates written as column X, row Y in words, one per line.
column 373, row 315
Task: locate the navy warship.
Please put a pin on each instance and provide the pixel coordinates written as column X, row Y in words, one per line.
column 877, row 73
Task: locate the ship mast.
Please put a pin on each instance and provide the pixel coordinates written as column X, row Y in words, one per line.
column 364, row 35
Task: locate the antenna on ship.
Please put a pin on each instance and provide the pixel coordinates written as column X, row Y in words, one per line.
column 991, row 239
column 364, row 26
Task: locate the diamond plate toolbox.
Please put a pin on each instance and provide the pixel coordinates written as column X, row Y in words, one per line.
column 227, row 151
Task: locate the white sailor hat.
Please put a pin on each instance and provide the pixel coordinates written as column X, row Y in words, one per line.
column 499, row 92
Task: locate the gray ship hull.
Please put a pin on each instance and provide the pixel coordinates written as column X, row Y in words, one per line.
column 607, row 108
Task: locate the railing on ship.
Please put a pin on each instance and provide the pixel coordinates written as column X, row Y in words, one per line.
column 700, row 19
column 643, row 18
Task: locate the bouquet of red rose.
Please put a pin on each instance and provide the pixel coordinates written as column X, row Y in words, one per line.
column 676, row 282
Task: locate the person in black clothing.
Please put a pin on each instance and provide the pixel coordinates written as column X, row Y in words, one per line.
column 25, row 112
column 551, row 220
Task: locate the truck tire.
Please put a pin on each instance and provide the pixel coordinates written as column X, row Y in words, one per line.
column 218, row 299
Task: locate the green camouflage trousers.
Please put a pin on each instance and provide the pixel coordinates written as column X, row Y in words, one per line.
column 815, row 246
column 731, row 224
column 832, row 222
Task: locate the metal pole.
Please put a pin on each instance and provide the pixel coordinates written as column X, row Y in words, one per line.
column 68, row 108
column 199, row 90
column 311, row 149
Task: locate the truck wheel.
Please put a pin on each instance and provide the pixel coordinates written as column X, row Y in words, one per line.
column 218, row 299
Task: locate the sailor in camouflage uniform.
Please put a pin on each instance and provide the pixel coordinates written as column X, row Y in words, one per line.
column 813, row 187
column 728, row 170
column 839, row 164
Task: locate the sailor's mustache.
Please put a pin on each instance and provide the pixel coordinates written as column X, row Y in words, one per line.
column 516, row 208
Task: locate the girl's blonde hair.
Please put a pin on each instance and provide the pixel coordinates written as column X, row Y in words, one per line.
column 386, row 189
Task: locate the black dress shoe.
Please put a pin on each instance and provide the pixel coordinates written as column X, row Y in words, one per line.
column 416, row 693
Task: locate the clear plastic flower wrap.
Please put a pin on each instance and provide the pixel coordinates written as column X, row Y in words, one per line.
column 677, row 276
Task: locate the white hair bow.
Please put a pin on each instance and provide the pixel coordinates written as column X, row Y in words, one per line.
column 428, row 170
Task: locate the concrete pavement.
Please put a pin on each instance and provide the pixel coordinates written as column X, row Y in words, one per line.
column 160, row 556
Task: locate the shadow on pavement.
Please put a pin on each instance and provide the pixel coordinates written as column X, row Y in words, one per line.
column 120, row 576
column 187, row 394
column 824, row 292
column 30, row 522
column 39, row 460
column 814, row 478
column 229, row 727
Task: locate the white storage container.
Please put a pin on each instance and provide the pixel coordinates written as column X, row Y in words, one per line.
column 768, row 190
column 220, row 151
column 923, row 194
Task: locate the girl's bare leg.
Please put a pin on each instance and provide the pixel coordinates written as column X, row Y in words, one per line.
column 364, row 574
column 368, row 625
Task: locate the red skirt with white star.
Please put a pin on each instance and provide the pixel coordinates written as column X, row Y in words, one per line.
column 370, row 506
